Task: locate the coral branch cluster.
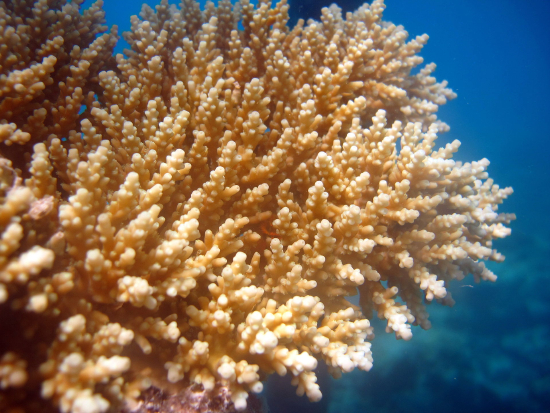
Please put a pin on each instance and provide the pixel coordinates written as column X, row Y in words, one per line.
column 198, row 211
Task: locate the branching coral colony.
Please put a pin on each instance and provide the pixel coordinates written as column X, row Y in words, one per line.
column 199, row 211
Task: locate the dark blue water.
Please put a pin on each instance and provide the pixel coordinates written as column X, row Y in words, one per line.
column 491, row 352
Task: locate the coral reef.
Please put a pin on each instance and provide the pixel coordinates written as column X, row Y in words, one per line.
column 191, row 399
column 196, row 214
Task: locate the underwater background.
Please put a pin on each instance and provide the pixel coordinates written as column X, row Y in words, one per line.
column 491, row 351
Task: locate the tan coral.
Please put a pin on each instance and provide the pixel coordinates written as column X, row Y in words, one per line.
column 229, row 190
column 49, row 67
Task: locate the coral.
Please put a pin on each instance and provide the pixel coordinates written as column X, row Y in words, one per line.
column 49, row 62
column 224, row 192
column 191, row 399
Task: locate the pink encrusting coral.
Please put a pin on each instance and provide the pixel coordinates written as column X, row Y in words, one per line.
column 194, row 216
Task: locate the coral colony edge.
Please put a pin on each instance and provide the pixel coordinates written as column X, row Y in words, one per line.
column 192, row 217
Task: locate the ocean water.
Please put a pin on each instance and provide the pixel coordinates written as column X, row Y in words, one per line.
column 491, row 351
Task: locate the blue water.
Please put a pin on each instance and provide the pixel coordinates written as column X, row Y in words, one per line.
column 491, row 352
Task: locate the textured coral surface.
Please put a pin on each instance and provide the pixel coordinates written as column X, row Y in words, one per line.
column 194, row 215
